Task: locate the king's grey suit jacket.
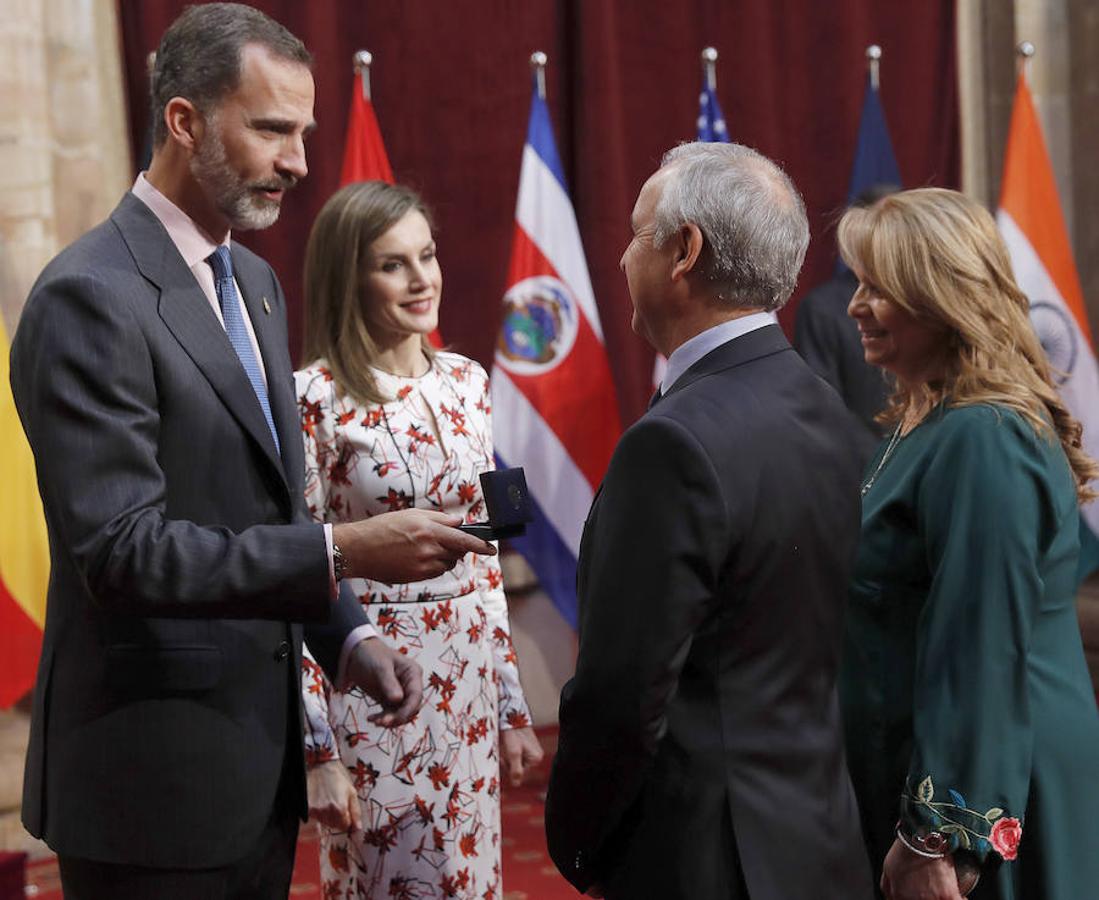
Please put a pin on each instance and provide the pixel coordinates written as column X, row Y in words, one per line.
column 167, row 695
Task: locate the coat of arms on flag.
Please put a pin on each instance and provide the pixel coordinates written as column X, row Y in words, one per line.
column 539, row 327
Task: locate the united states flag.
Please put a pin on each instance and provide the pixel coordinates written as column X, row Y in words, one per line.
column 711, row 121
column 711, row 129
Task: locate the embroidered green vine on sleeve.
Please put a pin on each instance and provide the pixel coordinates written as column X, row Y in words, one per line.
column 953, row 825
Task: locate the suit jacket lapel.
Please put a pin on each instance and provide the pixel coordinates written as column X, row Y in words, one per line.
column 187, row 314
column 753, row 345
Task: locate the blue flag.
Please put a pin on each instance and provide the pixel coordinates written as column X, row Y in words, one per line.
column 711, row 121
column 875, row 162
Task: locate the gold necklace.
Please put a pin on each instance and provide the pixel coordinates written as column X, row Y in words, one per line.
column 889, row 448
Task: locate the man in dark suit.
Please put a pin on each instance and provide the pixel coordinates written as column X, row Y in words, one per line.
column 700, row 749
column 152, row 377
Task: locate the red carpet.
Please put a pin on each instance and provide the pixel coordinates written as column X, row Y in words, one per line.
column 528, row 872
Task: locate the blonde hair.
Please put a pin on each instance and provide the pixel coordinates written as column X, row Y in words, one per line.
column 938, row 255
column 335, row 327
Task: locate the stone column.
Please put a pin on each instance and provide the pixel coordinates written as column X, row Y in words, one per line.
column 986, row 74
column 64, row 161
column 1083, row 76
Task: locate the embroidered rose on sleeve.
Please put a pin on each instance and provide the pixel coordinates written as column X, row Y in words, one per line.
column 1005, row 836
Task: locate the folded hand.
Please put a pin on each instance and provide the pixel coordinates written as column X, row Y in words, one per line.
column 519, row 751
column 332, row 798
column 390, row 678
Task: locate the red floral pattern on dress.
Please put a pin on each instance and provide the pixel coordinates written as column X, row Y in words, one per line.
column 429, row 791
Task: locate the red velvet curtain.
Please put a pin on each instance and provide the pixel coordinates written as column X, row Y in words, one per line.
column 451, row 88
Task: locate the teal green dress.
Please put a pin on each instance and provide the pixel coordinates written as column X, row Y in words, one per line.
column 969, row 711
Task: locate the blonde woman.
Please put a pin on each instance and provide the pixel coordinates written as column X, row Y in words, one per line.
column 390, row 423
column 970, row 714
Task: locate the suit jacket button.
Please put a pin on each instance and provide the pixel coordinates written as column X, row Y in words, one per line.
column 282, row 651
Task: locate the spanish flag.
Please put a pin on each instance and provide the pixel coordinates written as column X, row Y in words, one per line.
column 364, row 156
column 1033, row 228
column 24, row 550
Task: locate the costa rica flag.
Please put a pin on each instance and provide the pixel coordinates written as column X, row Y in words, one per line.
column 553, row 398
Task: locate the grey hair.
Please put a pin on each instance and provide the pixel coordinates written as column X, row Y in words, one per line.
column 752, row 218
column 199, row 56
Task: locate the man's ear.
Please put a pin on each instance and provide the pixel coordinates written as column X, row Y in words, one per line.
column 688, row 248
column 186, row 125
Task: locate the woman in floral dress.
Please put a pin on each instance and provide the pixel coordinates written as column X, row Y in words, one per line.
column 390, row 423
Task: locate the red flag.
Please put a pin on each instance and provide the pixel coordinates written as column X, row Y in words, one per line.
column 364, row 156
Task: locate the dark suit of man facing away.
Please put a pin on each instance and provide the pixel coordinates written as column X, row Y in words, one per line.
column 700, row 752
column 165, row 757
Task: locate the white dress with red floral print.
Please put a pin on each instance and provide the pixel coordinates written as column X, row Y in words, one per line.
column 429, row 790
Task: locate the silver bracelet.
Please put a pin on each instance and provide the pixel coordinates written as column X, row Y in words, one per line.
column 919, row 851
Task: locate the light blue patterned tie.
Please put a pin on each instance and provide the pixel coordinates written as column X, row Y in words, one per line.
column 222, row 264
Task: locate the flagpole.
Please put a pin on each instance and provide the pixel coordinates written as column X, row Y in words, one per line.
column 538, row 61
column 360, row 63
column 709, row 67
column 1024, row 53
column 873, row 60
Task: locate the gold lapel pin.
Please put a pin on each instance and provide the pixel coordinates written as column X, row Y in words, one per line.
column 266, row 306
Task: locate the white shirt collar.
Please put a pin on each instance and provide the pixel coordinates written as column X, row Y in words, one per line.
column 193, row 244
column 689, row 352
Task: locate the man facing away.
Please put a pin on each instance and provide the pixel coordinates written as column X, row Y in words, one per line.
column 152, row 377
column 700, row 749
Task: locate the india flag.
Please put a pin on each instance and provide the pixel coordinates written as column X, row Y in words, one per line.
column 1033, row 227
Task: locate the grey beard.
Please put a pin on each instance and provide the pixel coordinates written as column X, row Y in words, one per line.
column 244, row 208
